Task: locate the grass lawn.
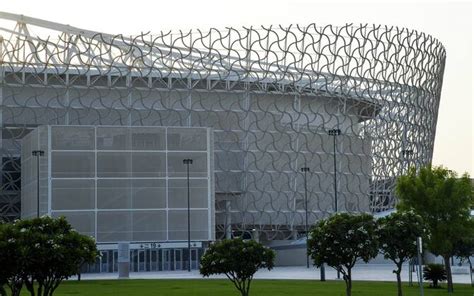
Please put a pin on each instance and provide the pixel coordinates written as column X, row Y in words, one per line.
column 223, row 288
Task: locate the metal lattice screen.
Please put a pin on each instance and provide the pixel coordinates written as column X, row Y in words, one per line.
column 271, row 94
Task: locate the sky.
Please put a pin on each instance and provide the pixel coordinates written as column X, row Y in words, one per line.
column 448, row 21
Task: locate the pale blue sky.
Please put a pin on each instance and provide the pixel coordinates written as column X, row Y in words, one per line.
column 449, row 21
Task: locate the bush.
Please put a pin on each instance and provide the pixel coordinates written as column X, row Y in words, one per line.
column 434, row 273
column 239, row 260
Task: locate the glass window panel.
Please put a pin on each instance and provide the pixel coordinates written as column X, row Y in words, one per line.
column 148, row 138
column 178, row 193
column 73, row 194
column 113, row 138
column 187, row 139
column 73, row 165
column 176, row 168
column 72, row 138
column 113, row 164
column 114, row 194
column 148, row 164
column 114, row 226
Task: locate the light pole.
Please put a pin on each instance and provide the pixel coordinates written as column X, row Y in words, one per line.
column 37, row 153
column 305, row 170
column 334, row 133
column 187, row 162
column 419, row 247
column 406, row 153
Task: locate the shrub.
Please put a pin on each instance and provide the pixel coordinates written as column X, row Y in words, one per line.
column 434, row 273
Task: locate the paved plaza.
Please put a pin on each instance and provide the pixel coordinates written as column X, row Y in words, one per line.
column 361, row 272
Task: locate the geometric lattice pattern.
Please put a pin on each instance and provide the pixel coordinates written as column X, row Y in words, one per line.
column 270, row 94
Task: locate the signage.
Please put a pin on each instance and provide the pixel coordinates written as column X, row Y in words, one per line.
column 123, row 252
column 150, row 245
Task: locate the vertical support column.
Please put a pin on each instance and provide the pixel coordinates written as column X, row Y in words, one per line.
column 123, row 260
column 228, row 220
column 48, row 171
column 67, row 100
column 1, row 118
column 189, row 219
column 130, row 98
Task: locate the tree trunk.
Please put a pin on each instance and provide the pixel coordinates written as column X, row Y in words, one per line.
column 30, row 287
column 348, row 280
column 470, row 270
column 244, row 291
column 16, row 288
column 399, row 280
column 449, row 275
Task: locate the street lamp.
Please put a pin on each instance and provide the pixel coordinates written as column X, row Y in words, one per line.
column 306, row 170
column 187, row 162
column 406, row 153
column 37, row 153
column 335, row 132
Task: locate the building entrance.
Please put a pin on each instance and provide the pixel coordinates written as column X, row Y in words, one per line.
column 152, row 259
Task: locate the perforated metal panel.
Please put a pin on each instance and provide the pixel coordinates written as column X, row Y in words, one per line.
column 122, row 189
column 270, row 94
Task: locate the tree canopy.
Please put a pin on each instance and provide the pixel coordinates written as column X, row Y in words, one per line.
column 10, row 256
column 48, row 251
column 443, row 201
column 397, row 234
column 239, row 260
column 341, row 240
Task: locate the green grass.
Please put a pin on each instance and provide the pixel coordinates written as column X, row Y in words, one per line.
column 223, row 288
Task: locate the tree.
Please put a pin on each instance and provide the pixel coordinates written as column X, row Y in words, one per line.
column 341, row 240
column 6, row 248
column 434, row 273
column 239, row 260
column 397, row 234
column 443, row 201
column 10, row 260
column 53, row 251
column 464, row 250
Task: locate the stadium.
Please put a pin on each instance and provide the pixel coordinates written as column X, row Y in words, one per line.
column 285, row 124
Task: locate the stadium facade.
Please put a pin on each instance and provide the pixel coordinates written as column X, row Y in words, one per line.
column 269, row 97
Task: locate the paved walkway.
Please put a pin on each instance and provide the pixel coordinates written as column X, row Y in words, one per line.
column 366, row 272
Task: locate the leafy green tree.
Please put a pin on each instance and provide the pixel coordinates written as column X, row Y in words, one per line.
column 397, row 234
column 10, row 259
column 341, row 240
column 443, row 201
column 434, row 273
column 464, row 250
column 53, row 251
column 239, row 260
